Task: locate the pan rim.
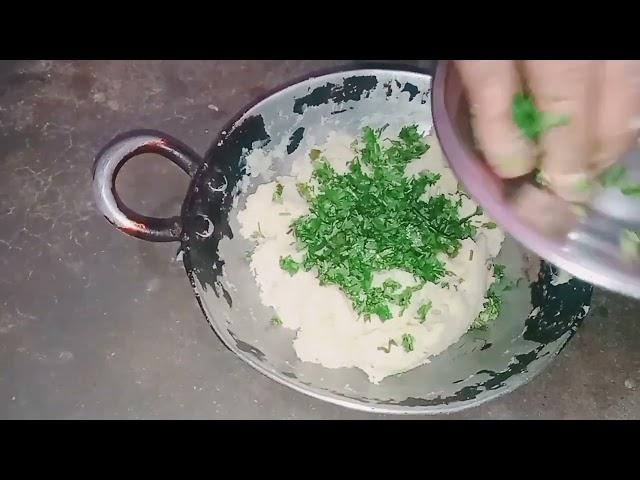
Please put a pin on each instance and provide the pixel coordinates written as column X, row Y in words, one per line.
column 295, row 384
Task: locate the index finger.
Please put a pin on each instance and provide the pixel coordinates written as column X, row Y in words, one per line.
column 491, row 86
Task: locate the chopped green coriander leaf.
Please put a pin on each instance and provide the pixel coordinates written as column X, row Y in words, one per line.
column 408, row 342
column 423, row 310
column 276, row 320
column 383, row 312
column 305, row 190
column 277, row 193
column 289, row 265
column 490, row 225
column 373, row 218
column 389, row 286
column 614, row 176
column 493, row 303
column 387, row 349
column 323, row 171
column 248, row 254
column 525, row 115
column 492, row 307
column 403, row 299
column 631, row 190
column 617, row 176
column 531, row 121
column 314, row 154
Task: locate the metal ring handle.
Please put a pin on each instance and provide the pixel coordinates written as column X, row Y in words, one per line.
column 106, row 168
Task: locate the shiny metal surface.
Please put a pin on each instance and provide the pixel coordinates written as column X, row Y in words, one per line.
column 538, row 319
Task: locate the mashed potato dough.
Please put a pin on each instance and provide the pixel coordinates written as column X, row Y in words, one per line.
column 329, row 331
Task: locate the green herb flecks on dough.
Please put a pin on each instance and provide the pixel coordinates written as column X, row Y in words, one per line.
column 390, row 286
column 408, row 341
column 492, row 308
column 498, row 271
column 277, row 193
column 372, row 219
column 305, row 190
column 493, row 302
column 423, row 310
column 289, row 265
column 403, row 299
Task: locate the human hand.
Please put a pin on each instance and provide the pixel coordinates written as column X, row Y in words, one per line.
column 600, row 98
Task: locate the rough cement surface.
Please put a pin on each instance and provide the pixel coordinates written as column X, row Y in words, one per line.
column 95, row 324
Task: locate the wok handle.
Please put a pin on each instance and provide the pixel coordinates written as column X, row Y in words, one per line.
column 106, row 168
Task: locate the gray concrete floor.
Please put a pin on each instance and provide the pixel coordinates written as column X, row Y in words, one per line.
column 95, row 324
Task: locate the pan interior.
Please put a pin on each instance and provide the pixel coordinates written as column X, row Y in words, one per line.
column 538, row 318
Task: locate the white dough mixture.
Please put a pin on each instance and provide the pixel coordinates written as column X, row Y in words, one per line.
column 329, row 331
